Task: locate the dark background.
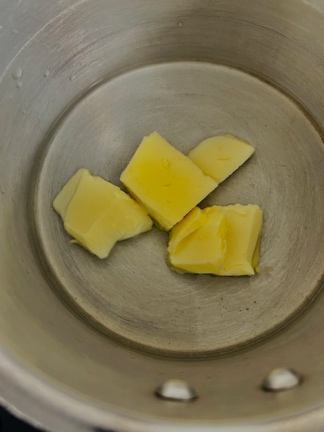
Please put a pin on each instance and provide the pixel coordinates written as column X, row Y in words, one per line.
column 9, row 423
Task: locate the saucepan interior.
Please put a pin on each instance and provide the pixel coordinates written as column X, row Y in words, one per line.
column 85, row 343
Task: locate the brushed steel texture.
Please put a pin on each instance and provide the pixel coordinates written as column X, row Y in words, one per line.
column 85, row 343
column 133, row 294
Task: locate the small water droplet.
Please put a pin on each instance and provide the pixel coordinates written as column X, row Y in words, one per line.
column 19, row 84
column 1, row 28
column 46, row 73
column 72, row 77
column 17, row 73
column 14, row 31
column 24, row 111
column 179, row 23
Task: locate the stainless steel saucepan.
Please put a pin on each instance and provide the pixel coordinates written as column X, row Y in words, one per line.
column 89, row 345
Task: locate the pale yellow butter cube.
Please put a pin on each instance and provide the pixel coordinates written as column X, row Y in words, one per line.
column 165, row 181
column 63, row 199
column 219, row 156
column 198, row 243
column 98, row 214
column 223, row 241
column 244, row 224
column 190, row 223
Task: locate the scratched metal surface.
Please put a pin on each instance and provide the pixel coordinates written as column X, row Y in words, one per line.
column 134, row 293
column 81, row 83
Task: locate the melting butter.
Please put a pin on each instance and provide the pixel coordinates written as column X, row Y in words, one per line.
column 165, row 181
column 97, row 213
column 223, row 241
column 219, row 156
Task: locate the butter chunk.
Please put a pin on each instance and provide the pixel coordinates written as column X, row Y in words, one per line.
column 165, row 181
column 98, row 214
column 198, row 243
column 63, row 199
column 223, row 241
column 219, row 156
column 244, row 224
column 192, row 222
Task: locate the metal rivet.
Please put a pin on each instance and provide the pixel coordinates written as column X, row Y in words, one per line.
column 281, row 379
column 176, row 390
